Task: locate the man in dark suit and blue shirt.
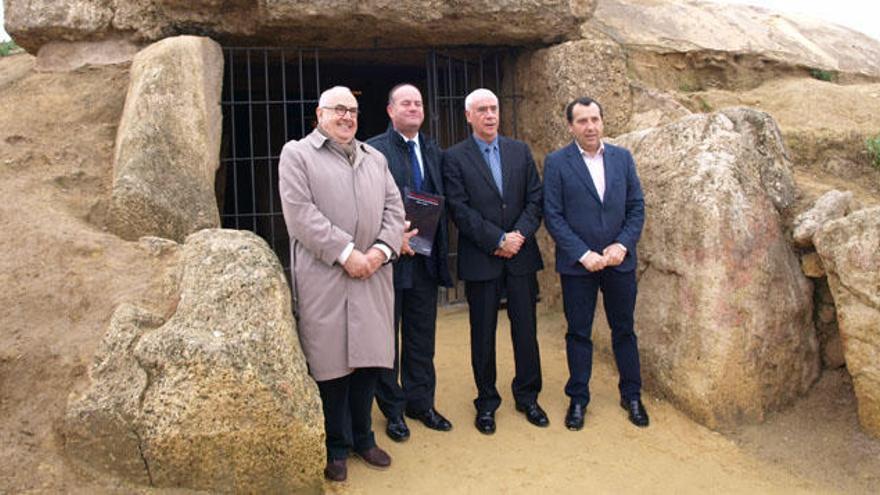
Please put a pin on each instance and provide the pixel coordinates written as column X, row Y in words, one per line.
column 415, row 163
column 494, row 197
column 595, row 211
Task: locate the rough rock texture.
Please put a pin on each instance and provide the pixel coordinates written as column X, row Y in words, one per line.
column 850, row 249
column 835, row 143
column 724, row 313
column 216, row 397
column 831, row 206
column 345, row 23
column 728, row 45
column 653, row 108
column 66, row 56
column 550, row 78
column 825, row 318
column 168, row 142
column 812, row 266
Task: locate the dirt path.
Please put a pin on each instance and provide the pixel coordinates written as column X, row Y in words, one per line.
column 673, row 455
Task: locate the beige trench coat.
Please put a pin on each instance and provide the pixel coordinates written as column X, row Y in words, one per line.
column 344, row 323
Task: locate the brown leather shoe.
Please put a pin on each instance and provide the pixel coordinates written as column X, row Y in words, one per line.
column 375, row 457
column 336, row 470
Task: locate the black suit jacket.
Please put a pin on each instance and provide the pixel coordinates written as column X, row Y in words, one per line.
column 482, row 214
column 395, row 149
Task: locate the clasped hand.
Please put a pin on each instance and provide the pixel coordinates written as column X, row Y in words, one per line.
column 511, row 244
column 364, row 265
column 612, row 255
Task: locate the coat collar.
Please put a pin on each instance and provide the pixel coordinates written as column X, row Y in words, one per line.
column 317, row 140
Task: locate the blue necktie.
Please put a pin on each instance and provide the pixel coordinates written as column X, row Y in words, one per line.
column 416, row 170
column 495, row 166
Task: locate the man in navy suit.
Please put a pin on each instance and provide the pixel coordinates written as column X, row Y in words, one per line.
column 494, row 197
column 595, row 211
column 415, row 163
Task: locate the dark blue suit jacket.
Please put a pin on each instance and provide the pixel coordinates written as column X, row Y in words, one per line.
column 482, row 214
column 395, row 149
column 578, row 220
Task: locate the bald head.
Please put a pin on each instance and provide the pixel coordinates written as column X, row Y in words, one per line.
column 337, row 114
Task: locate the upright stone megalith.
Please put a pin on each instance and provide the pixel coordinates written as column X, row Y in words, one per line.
column 168, row 142
column 724, row 313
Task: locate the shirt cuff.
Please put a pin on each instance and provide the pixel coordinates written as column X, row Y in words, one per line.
column 345, row 253
column 584, row 256
column 385, row 249
column 501, row 240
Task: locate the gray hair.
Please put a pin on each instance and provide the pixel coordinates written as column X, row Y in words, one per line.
column 322, row 102
column 478, row 93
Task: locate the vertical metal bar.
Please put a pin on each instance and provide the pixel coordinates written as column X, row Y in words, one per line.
column 302, row 99
column 482, row 80
column 450, row 85
column 269, row 154
column 234, row 162
column 284, row 93
column 317, row 74
column 514, row 96
column 431, row 108
column 250, row 104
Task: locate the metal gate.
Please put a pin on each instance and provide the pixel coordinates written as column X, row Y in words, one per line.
column 270, row 96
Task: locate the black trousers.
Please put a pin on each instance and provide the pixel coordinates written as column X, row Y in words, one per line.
column 579, row 294
column 483, row 304
column 411, row 384
column 347, row 402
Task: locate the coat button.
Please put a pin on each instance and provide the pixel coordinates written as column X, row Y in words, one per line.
column 503, row 206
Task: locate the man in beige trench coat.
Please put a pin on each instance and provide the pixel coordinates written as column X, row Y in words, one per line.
column 345, row 219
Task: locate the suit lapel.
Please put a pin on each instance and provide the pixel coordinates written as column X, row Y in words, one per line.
column 479, row 162
column 579, row 168
column 430, row 167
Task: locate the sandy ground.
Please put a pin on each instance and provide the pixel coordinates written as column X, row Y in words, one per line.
column 815, row 447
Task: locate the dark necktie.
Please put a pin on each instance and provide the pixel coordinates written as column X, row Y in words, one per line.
column 416, row 170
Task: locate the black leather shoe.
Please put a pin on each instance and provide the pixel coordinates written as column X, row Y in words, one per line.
column 397, row 429
column 432, row 419
column 485, row 422
column 637, row 413
column 534, row 414
column 574, row 418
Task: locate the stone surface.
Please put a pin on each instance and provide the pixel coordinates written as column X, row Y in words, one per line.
column 811, row 264
column 168, row 142
column 66, row 56
column 832, row 205
column 724, row 314
column 826, row 325
column 217, row 396
column 653, row 108
column 727, row 45
column 326, row 23
column 850, row 249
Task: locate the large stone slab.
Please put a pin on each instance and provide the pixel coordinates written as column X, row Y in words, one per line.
column 850, row 250
column 168, row 142
column 724, row 314
column 217, row 397
column 729, row 45
column 327, row 23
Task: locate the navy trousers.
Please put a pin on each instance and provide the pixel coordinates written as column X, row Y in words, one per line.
column 579, row 294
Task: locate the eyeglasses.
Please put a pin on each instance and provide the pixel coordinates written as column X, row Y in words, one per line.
column 341, row 110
